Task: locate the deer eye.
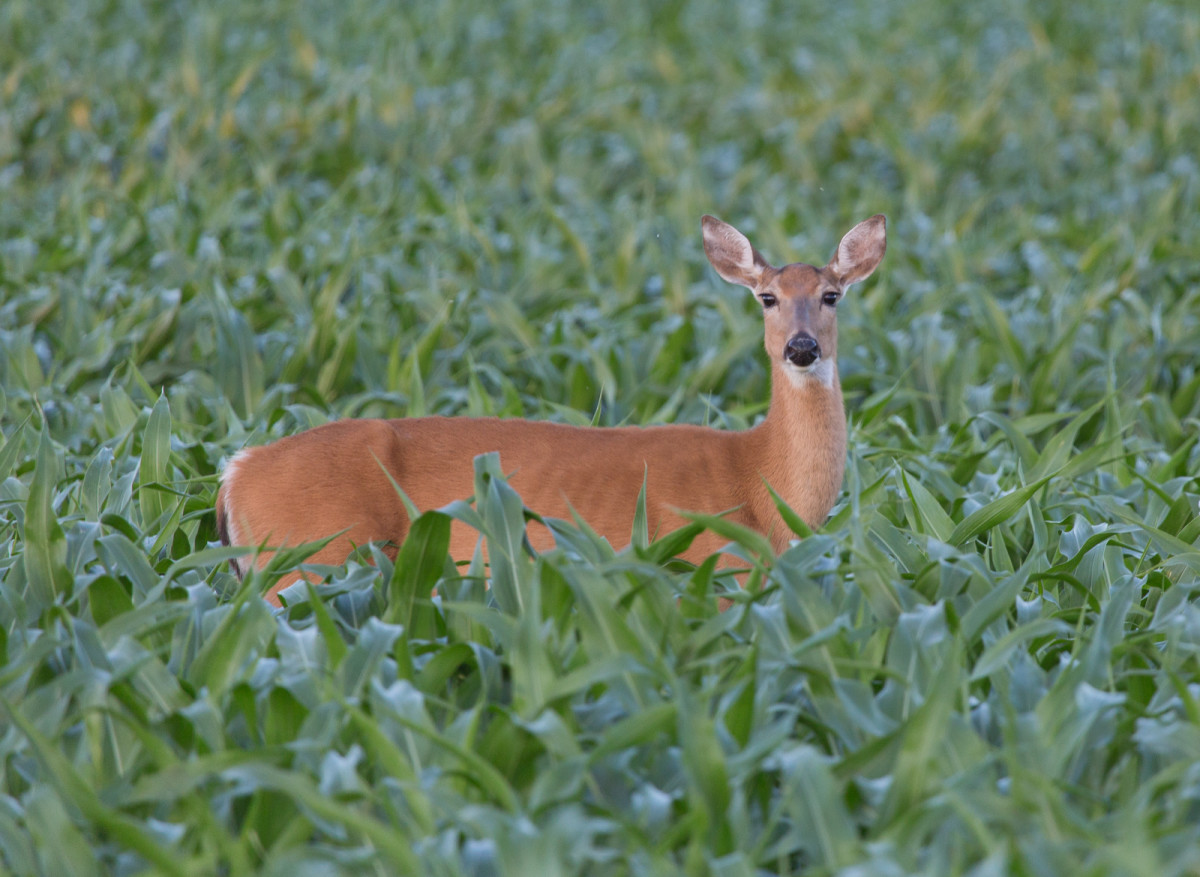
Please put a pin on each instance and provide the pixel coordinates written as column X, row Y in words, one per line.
column 830, row 298
column 768, row 300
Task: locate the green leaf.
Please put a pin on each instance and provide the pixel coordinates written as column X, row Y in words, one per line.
column 640, row 537
column 45, row 544
column 419, row 565
column 480, row 772
column 123, row 558
column 226, row 654
column 996, row 602
column 921, row 759
column 442, row 666
column 997, row 655
column 504, row 525
column 97, row 481
column 794, row 522
column 995, row 512
column 285, row 717
column 738, row 718
column 373, row 645
column 205, row 558
column 120, row 414
column 672, row 544
column 154, row 470
column 238, row 368
column 1058, row 451
column 108, row 598
column 393, row 847
column 335, row 645
column 707, row 772
column 930, row 514
column 813, row 796
column 754, row 542
column 638, row 729
column 10, row 451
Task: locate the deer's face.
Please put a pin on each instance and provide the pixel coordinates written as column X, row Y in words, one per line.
column 799, row 305
column 799, row 301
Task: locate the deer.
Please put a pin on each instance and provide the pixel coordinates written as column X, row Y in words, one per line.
column 339, row 479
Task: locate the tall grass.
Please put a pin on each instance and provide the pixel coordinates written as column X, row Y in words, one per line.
column 221, row 223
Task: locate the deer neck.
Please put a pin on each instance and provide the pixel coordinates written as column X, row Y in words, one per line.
column 802, row 446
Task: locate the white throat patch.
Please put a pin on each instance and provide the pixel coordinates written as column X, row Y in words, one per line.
column 822, row 371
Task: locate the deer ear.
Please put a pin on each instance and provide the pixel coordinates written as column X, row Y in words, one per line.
column 731, row 254
column 860, row 251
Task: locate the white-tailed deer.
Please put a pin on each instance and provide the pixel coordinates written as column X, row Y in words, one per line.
column 329, row 479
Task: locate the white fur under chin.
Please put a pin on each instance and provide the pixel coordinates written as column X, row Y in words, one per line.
column 822, row 371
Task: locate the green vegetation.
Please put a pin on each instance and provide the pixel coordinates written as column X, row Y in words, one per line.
column 223, row 222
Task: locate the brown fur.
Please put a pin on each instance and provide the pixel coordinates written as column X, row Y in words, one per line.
column 310, row 485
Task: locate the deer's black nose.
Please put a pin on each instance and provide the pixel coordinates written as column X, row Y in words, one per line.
column 802, row 350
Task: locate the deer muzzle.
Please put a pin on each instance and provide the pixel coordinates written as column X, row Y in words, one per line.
column 802, row 350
